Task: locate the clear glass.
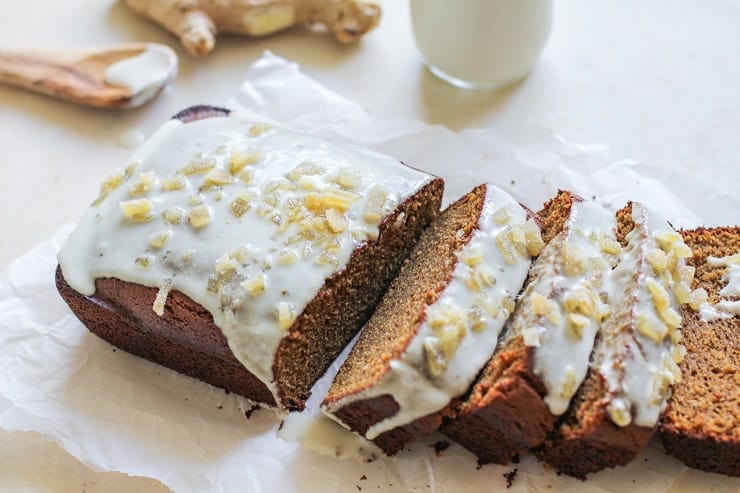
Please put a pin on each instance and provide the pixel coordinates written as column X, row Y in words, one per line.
column 481, row 44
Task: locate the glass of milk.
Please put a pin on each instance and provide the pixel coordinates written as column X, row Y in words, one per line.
column 481, row 44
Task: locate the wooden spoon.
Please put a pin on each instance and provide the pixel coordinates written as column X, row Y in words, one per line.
column 122, row 76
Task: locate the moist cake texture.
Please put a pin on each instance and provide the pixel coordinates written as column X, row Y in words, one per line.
column 701, row 425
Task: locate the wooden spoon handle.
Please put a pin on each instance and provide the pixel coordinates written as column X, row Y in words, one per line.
column 45, row 75
column 61, row 75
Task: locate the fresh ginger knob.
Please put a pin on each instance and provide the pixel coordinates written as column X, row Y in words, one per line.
column 197, row 22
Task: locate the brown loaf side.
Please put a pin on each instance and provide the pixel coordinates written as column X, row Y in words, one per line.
column 505, row 415
column 397, row 320
column 701, row 425
column 186, row 339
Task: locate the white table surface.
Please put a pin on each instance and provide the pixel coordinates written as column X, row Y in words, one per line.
column 657, row 81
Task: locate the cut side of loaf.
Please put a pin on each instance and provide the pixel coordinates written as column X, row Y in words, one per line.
column 701, row 425
column 439, row 322
column 516, row 399
column 634, row 364
column 249, row 264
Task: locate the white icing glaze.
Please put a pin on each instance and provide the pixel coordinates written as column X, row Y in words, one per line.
column 267, row 243
column 145, row 74
column 417, row 389
column 638, row 368
column 561, row 353
column 729, row 307
column 724, row 308
column 327, row 437
column 732, row 278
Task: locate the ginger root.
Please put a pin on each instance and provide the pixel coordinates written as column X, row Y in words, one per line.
column 196, row 22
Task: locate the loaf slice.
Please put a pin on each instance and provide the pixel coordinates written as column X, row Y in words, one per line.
column 701, row 425
column 439, row 322
column 543, row 355
column 242, row 254
column 616, row 410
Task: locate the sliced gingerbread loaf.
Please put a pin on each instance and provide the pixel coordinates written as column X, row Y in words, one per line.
column 616, row 410
column 701, row 425
column 243, row 254
column 439, row 322
column 544, row 353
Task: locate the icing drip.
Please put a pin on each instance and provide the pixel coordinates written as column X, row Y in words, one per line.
column 326, row 437
column 725, row 308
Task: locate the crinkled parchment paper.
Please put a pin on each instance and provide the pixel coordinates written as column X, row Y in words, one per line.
column 117, row 412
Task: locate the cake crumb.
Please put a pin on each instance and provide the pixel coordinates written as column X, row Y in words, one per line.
column 440, row 447
column 358, row 487
column 510, row 477
column 363, row 477
column 248, row 413
column 220, row 406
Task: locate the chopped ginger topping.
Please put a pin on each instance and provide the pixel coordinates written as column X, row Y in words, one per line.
column 285, row 314
column 217, row 177
column 256, row 285
column 199, row 217
column 173, row 215
column 158, row 240
column 258, row 129
column 173, row 183
column 199, row 165
column 137, row 210
column 375, row 204
column 349, row 179
column 145, row 182
column 241, row 158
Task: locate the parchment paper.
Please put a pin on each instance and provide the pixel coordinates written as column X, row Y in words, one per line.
column 114, row 411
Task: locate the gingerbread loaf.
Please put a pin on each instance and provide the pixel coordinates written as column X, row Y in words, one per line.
column 544, row 353
column 242, row 254
column 439, row 322
column 634, row 365
column 701, row 425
